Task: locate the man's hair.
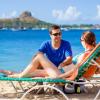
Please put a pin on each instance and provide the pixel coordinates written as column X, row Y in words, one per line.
column 54, row 27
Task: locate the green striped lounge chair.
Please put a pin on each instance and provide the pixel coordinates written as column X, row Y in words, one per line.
column 90, row 59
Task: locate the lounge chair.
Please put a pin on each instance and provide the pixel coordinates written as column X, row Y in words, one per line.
column 90, row 59
column 86, row 64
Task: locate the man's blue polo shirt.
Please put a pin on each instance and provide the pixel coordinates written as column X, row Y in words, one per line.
column 56, row 56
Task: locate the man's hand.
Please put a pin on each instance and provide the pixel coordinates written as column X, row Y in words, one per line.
column 67, row 61
column 61, row 65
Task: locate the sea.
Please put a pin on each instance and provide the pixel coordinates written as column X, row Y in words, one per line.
column 17, row 47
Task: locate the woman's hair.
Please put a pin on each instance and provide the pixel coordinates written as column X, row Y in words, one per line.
column 89, row 38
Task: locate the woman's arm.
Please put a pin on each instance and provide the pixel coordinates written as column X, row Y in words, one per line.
column 98, row 67
column 75, row 67
column 69, row 73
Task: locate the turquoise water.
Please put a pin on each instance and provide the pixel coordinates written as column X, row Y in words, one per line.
column 18, row 47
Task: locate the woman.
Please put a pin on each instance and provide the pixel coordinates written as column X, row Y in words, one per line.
column 69, row 72
column 88, row 41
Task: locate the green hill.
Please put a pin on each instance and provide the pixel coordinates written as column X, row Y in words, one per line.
column 25, row 20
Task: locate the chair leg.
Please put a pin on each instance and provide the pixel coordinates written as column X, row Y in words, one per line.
column 21, row 86
column 97, row 95
column 14, row 86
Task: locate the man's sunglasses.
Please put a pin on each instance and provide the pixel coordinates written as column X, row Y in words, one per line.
column 56, row 34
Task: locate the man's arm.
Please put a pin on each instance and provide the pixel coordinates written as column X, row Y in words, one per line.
column 68, row 54
column 67, row 61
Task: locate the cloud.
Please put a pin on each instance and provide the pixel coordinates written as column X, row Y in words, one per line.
column 10, row 15
column 70, row 14
column 13, row 14
column 98, row 13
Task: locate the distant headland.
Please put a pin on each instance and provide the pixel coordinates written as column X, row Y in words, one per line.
column 27, row 21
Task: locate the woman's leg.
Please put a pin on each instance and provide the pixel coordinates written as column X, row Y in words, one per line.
column 40, row 59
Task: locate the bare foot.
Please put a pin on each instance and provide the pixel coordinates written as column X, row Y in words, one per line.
column 7, row 72
column 16, row 75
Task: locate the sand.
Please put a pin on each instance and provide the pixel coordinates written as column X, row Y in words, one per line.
column 7, row 92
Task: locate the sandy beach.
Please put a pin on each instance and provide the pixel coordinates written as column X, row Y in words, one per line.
column 7, row 92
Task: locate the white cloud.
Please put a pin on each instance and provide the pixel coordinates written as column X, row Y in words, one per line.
column 13, row 14
column 70, row 14
column 98, row 13
column 10, row 15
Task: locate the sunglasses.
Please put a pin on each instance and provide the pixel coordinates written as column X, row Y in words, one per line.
column 81, row 39
column 56, row 34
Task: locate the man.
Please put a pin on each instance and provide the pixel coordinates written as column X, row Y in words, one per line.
column 58, row 51
column 53, row 54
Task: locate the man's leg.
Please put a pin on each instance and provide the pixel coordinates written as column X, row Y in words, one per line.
column 40, row 59
column 7, row 72
column 38, row 73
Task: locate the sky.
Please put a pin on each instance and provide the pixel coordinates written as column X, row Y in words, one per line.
column 54, row 11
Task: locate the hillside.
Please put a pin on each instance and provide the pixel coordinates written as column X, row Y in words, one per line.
column 25, row 20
